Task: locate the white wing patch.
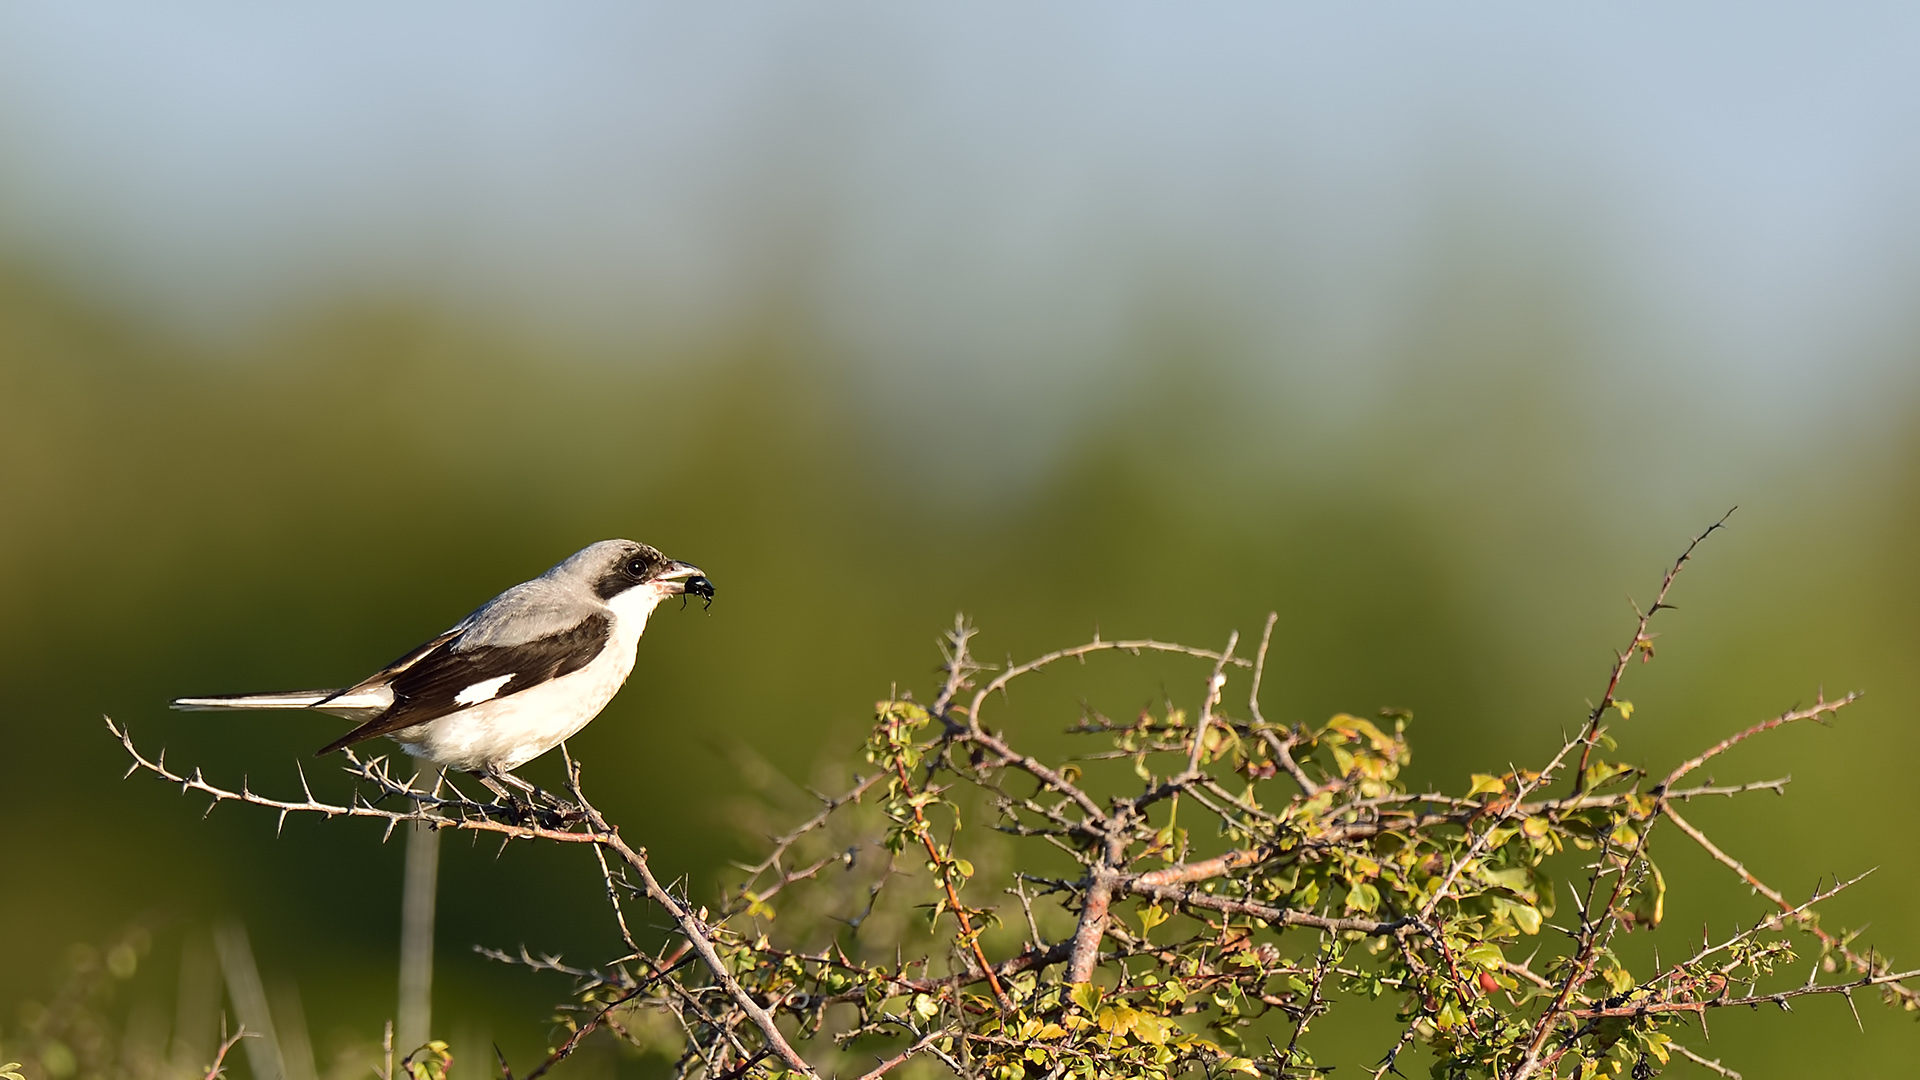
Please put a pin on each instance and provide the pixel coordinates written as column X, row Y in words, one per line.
column 484, row 690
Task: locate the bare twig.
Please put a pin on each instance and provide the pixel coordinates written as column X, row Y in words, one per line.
column 1393, row 1054
column 1713, row 1065
column 1821, row 707
column 1001, row 680
column 1642, row 643
column 1869, row 965
column 1215, row 683
column 1778, row 997
column 915, row 1047
column 227, row 1042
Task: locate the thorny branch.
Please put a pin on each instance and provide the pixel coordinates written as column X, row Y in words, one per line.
column 578, row 824
column 1642, row 646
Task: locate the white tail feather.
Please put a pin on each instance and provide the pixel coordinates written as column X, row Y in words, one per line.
column 291, row 699
column 358, row 705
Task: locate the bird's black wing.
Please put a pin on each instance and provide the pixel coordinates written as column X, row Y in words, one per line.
column 428, row 682
column 392, row 671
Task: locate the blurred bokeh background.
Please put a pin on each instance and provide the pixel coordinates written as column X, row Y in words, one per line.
column 1437, row 331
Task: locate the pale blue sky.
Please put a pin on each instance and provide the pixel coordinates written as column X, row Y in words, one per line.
column 991, row 189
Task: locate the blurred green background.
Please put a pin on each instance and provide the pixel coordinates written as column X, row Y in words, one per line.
column 1437, row 337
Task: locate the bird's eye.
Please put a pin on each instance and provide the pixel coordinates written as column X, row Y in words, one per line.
column 637, row 568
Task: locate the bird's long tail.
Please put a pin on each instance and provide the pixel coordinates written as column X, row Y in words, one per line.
column 355, row 704
column 290, row 699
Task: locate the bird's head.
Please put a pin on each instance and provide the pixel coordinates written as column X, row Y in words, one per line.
column 626, row 574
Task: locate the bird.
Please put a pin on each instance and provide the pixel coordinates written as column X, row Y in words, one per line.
column 506, row 684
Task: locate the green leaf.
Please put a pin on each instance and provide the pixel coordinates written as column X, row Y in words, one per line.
column 1600, row 772
column 1655, row 1043
column 1517, row 880
column 1525, row 917
column 1625, row 707
column 1085, row 995
column 906, row 713
column 1486, row 954
column 1342, row 760
column 1483, row 782
column 435, row 1063
column 1620, row 979
column 1650, row 900
column 1151, row 916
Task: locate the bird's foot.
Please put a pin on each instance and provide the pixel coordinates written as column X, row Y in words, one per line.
column 507, row 790
column 525, row 800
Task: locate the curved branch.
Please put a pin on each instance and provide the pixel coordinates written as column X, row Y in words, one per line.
column 596, row 832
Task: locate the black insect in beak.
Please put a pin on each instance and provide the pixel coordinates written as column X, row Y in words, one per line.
column 700, row 587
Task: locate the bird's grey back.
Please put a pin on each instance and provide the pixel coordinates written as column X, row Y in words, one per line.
column 553, row 602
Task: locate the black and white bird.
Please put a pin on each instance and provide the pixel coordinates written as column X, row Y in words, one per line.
column 510, row 681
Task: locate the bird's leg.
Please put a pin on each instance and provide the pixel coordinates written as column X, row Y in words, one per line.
column 497, row 781
column 527, row 787
column 524, row 796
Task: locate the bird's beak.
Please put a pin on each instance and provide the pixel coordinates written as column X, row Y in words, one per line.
column 681, row 577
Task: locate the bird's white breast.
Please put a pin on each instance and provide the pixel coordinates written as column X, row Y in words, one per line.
column 504, row 733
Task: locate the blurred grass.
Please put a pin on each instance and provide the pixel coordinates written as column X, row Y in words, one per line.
column 298, row 510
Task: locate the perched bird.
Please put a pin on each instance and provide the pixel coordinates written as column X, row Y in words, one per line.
column 510, row 681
